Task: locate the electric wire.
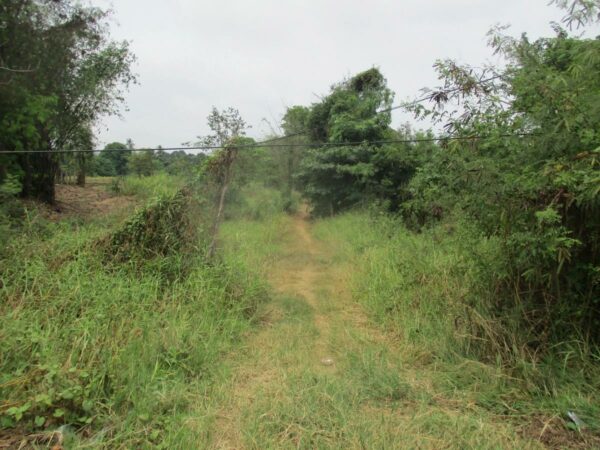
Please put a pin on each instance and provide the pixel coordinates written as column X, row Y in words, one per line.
column 286, row 145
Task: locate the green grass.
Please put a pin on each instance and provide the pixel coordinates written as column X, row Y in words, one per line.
column 255, row 201
column 375, row 395
column 211, row 356
column 122, row 356
column 146, row 187
column 430, row 291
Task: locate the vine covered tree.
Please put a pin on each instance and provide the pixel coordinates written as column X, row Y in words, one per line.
column 228, row 131
column 334, row 176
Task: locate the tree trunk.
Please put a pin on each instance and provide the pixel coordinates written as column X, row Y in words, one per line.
column 40, row 170
column 81, row 163
column 224, row 187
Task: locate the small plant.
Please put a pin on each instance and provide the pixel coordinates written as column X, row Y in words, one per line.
column 116, row 185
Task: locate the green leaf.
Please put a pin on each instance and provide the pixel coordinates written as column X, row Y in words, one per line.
column 87, row 405
column 39, row 421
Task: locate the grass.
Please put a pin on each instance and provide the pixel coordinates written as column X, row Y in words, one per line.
column 429, row 291
column 146, row 187
column 280, row 393
column 121, row 356
column 366, row 336
column 255, row 201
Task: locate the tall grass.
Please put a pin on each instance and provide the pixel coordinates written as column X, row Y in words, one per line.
column 147, row 187
column 435, row 291
column 120, row 357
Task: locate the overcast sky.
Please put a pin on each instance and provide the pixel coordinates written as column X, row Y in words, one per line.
column 261, row 56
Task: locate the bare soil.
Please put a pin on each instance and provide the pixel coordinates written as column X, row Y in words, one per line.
column 92, row 200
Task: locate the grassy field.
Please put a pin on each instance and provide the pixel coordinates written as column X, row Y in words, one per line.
column 114, row 354
column 347, row 332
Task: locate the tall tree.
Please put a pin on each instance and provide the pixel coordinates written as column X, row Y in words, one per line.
column 334, row 176
column 60, row 72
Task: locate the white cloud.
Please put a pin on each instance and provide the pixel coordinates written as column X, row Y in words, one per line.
column 263, row 55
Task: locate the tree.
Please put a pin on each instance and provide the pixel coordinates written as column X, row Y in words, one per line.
column 142, row 163
column 103, row 166
column 82, row 142
column 119, row 154
column 335, row 177
column 228, row 129
column 65, row 73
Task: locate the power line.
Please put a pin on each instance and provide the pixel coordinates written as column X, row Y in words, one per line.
column 289, row 145
column 302, row 132
column 203, row 147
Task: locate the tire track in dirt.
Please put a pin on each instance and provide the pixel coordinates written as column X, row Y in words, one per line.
column 266, row 402
column 263, row 367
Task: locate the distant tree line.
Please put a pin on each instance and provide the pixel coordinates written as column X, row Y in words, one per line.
column 118, row 159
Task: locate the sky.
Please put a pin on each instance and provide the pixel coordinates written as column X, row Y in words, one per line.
column 262, row 56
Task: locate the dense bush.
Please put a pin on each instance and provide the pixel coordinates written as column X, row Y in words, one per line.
column 161, row 228
column 538, row 193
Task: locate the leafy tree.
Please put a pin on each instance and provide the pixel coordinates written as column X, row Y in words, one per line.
column 335, row 177
column 118, row 154
column 59, row 73
column 142, row 163
column 103, row 166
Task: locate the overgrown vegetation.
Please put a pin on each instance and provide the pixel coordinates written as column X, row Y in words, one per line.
column 477, row 248
column 436, row 291
column 121, row 356
column 518, row 165
column 161, row 228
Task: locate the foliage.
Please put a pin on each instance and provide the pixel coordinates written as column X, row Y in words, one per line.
column 335, row 177
column 158, row 185
column 255, row 201
column 437, row 293
column 116, row 156
column 228, row 134
column 225, row 126
column 293, row 123
column 161, row 228
column 142, row 163
column 538, row 193
column 60, row 72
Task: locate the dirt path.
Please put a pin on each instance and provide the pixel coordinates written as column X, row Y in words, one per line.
column 318, row 374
